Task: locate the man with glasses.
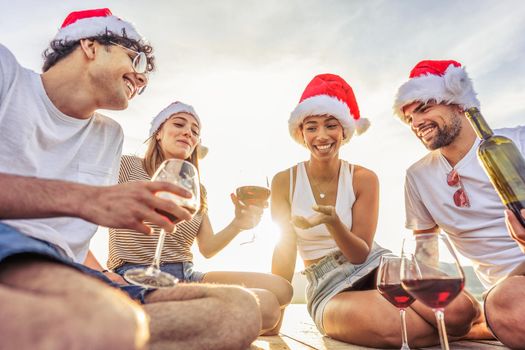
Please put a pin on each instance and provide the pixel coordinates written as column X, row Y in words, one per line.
column 58, row 160
column 449, row 190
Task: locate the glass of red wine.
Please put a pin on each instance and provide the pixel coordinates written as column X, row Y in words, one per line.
column 389, row 286
column 253, row 195
column 183, row 174
column 431, row 273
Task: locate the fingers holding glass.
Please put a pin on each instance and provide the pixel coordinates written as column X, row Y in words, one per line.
column 254, row 199
column 183, row 174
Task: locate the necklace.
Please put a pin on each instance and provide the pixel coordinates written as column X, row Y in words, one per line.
column 322, row 194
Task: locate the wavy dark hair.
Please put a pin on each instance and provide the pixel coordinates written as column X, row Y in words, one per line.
column 59, row 49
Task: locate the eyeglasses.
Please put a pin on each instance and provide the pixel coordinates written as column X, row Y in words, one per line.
column 139, row 62
column 460, row 196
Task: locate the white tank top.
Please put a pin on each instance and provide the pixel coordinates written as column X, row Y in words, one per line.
column 317, row 242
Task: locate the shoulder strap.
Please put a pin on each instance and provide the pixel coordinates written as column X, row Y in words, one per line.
column 290, row 195
column 294, row 169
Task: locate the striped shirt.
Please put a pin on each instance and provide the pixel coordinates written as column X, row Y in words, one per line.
column 128, row 246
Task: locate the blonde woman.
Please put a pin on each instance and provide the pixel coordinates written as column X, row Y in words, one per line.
column 175, row 133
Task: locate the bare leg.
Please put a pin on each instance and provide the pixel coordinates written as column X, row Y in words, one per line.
column 274, row 294
column 46, row 305
column 460, row 315
column 353, row 317
column 200, row 316
column 479, row 330
column 506, row 312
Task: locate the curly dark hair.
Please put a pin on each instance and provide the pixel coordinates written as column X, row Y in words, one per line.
column 58, row 49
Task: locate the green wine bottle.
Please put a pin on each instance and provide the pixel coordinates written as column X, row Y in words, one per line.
column 503, row 163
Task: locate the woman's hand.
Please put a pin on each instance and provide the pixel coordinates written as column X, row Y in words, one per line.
column 246, row 216
column 326, row 214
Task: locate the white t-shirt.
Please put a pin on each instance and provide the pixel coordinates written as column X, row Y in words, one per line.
column 478, row 232
column 40, row 141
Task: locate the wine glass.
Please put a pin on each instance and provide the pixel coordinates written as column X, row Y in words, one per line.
column 389, row 286
column 253, row 195
column 431, row 273
column 183, row 174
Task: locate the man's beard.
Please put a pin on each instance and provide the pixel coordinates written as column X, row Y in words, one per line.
column 446, row 134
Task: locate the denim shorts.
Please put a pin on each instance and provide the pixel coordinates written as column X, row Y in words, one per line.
column 182, row 270
column 334, row 274
column 12, row 243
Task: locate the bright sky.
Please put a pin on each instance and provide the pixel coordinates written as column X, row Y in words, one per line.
column 244, row 64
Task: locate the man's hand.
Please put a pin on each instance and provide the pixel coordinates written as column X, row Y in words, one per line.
column 326, row 214
column 516, row 231
column 131, row 204
column 246, row 216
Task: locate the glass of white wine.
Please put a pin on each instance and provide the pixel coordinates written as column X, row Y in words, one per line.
column 183, row 174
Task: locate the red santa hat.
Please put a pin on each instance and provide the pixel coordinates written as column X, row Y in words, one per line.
column 328, row 94
column 440, row 81
column 90, row 23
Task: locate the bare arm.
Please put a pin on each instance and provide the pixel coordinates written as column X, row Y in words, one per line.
column 355, row 243
column 246, row 217
column 285, row 252
column 122, row 206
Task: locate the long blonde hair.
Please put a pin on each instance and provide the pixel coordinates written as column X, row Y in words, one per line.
column 154, row 157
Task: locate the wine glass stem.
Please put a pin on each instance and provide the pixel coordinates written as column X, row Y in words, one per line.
column 404, row 337
column 158, row 251
column 440, row 317
column 254, row 228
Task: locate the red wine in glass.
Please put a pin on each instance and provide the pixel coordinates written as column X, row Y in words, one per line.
column 435, row 293
column 396, row 295
column 389, row 286
column 431, row 273
column 253, row 195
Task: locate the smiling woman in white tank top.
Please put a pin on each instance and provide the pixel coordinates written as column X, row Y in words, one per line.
column 327, row 210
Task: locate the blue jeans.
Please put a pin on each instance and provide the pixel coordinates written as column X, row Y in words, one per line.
column 182, row 270
column 13, row 242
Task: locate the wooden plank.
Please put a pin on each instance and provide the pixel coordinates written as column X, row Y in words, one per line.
column 472, row 345
column 278, row 343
